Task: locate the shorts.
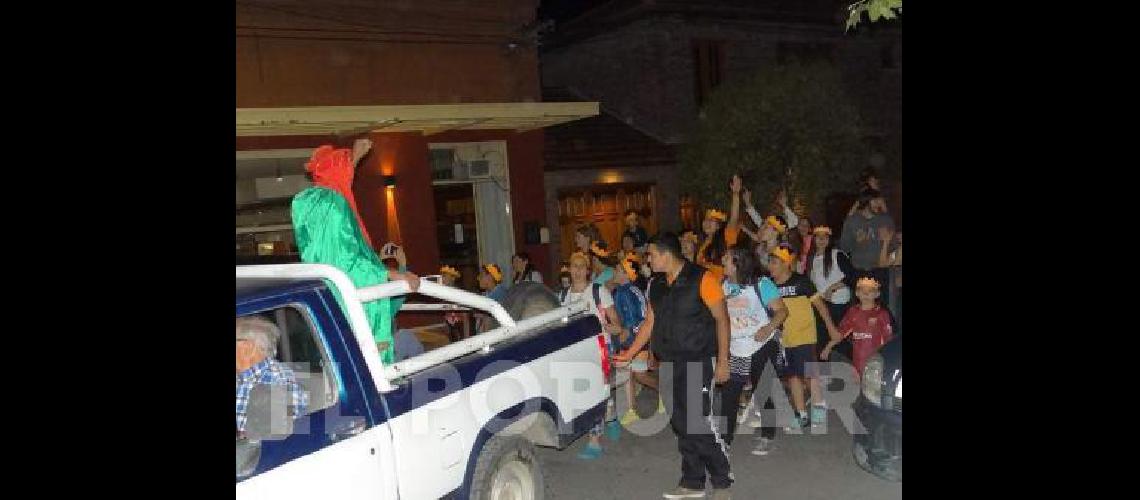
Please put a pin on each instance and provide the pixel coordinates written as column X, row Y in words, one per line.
column 739, row 368
column 798, row 359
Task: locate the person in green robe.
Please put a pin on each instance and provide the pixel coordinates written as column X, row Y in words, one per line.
column 328, row 230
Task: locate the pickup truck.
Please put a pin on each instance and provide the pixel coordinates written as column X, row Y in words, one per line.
column 458, row 421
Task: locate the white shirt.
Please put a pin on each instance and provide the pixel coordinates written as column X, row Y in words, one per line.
column 587, row 294
column 534, row 276
column 821, row 282
column 746, row 315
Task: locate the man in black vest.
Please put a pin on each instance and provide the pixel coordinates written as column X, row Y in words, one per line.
column 687, row 327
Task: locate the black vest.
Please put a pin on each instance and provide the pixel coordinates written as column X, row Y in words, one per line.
column 683, row 327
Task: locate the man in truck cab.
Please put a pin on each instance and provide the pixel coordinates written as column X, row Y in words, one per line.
column 256, row 364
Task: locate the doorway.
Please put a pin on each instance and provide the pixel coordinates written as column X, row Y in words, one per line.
column 473, row 211
column 605, row 206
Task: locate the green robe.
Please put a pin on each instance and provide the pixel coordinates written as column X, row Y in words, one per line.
column 327, row 232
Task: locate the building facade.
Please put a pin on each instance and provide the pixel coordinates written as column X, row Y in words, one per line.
column 652, row 63
column 448, row 91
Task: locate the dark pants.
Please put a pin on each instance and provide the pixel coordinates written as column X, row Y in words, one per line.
column 730, row 397
column 688, row 391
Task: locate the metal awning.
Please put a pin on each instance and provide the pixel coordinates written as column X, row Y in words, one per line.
column 425, row 118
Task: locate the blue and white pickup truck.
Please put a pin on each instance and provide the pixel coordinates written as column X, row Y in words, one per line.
column 458, row 421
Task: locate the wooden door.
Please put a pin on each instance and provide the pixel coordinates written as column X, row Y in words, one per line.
column 605, row 206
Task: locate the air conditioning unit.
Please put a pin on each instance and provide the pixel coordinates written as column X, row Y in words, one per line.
column 468, row 161
column 479, row 169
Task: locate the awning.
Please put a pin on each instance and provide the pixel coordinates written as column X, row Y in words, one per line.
column 426, row 118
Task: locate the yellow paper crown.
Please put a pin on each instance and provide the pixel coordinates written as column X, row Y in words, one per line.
column 783, row 254
column 494, row 271
column 775, row 223
column 867, row 281
column 715, row 214
column 821, row 230
column 633, row 256
column 450, row 271
column 599, row 251
column 627, row 265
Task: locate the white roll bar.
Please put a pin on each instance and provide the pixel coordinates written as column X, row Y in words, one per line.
column 442, row 292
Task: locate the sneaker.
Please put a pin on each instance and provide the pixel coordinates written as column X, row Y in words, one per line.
column 630, row 417
column 683, row 492
column 818, row 415
column 613, row 430
column 755, row 422
column 590, row 452
column 722, row 494
column 763, row 446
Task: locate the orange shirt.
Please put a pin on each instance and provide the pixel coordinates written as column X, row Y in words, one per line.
column 711, row 291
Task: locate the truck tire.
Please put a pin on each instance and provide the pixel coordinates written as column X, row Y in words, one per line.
column 507, row 469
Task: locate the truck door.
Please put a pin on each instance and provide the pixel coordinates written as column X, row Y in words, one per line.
column 334, row 450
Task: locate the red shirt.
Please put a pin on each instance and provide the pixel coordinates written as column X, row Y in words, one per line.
column 868, row 331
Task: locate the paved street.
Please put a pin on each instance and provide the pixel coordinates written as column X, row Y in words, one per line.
column 801, row 467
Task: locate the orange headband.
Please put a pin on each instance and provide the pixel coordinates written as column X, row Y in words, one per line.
column 783, row 254
column 598, row 250
column 822, row 230
column 627, row 265
column 775, row 223
column 716, row 215
column 450, row 271
column 494, row 271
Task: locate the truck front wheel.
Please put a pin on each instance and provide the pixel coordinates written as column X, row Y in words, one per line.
column 507, row 469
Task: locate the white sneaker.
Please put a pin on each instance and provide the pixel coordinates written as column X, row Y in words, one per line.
column 682, row 492
column 763, row 446
column 755, row 422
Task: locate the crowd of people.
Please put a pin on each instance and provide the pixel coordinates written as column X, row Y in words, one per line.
column 734, row 306
column 725, row 305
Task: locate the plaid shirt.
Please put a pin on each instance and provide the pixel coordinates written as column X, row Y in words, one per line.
column 269, row 371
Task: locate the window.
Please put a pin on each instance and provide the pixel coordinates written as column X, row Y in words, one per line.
column 708, row 62
column 301, row 350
